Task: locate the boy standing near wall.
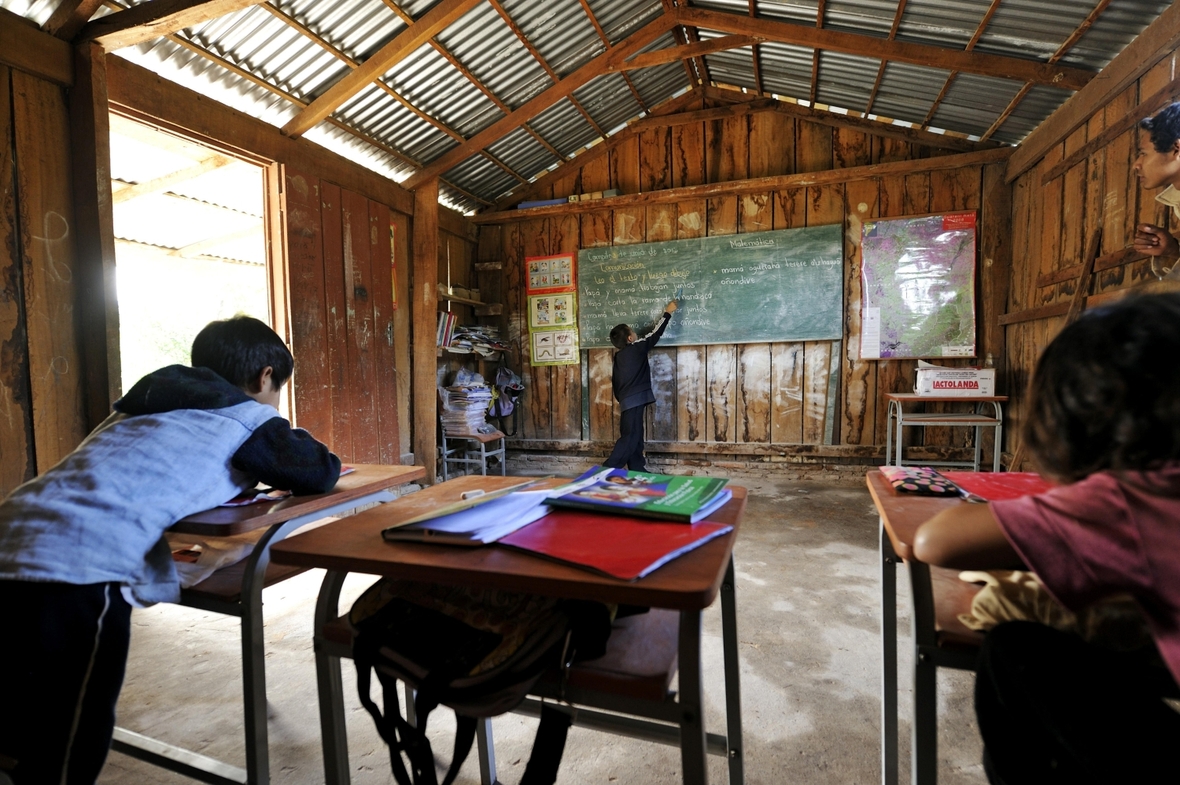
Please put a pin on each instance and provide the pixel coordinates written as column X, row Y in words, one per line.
column 631, row 382
column 84, row 542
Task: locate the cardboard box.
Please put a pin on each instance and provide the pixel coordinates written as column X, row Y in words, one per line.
column 936, row 380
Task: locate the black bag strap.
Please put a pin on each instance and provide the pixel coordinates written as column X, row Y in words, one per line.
column 390, row 724
column 548, row 747
column 464, row 736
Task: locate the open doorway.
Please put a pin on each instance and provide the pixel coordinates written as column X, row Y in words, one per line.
column 189, row 243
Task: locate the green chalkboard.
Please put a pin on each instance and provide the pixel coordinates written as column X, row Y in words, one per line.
column 785, row 285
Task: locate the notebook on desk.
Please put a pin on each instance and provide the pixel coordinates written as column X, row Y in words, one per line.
column 625, row 548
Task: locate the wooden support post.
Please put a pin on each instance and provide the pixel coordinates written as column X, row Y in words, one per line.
column 425, row 299
column 95, row 233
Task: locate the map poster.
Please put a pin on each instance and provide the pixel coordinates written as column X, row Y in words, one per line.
column 918, row 287
column 549, row 273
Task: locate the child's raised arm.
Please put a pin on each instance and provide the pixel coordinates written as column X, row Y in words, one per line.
column 966, row 538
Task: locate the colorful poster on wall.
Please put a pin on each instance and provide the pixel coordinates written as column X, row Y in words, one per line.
column 552, row 310
column 555, row 347
column 918, row 287
column 549, row 273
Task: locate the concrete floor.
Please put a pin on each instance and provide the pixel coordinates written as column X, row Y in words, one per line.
column 808, row 609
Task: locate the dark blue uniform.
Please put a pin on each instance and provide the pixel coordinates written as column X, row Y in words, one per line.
column 631, row 382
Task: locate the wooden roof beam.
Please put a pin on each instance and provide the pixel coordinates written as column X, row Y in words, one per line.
column 670, row 109
column 167, row 181
column 404, row 43
column 1057, row 75
column 881, row 69
column 70, row 17
column 543, row 100
column 950, row 78
column 155, row 19
column 686, row 52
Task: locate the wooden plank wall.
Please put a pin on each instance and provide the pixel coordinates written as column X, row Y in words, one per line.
column 42, row 397
column 345, row 335
column 1084, row 182
column 715, row 397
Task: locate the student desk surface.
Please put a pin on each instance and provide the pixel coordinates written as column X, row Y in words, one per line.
column 236, row 590
column 688, row 584
column 939, row 637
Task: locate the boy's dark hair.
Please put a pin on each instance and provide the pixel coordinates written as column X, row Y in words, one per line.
column 619, row 334
column 239, row 349
column 1106, row 392
column 1164, row 127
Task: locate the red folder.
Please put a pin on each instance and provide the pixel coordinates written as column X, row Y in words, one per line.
column 998, row 486
column 627, row 548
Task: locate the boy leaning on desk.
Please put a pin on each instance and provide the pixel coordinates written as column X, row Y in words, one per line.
column 84, row 542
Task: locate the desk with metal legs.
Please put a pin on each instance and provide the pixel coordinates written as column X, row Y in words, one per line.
column 940, row 639
column 687, row 584
column 237, row 591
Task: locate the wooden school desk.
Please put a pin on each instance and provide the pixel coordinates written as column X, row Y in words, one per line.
column 236, row 590
column 940, row 639
column 899, row 418
column 688, row 584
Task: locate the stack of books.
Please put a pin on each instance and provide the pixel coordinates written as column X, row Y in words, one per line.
column 446, row 328
column 465, row 407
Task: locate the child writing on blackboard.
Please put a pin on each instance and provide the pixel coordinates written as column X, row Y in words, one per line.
column 631, row 382
column 1103, row 419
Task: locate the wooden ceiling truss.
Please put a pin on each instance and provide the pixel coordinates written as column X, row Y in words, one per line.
column 72, row 21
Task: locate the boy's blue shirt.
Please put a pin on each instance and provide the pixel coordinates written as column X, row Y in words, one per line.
column 181, row 441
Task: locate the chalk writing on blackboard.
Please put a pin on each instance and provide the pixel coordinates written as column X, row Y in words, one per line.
column 785, row 285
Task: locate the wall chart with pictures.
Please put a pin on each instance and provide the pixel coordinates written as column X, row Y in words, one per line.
column 551, row 288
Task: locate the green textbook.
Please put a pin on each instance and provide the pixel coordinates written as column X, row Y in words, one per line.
column 662, row 496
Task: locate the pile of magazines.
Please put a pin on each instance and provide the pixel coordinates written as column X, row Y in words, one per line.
column 464, row 407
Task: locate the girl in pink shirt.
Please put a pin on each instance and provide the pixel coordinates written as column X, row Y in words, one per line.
column 1104, row 420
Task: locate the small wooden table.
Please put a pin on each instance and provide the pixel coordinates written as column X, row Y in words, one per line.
column 687, row 584
column 939, row 637
column 899, row 418
column 236, row 590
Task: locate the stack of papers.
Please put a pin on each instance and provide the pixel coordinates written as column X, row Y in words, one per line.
column 480, row 339
column 465, row 407
column 481, row 523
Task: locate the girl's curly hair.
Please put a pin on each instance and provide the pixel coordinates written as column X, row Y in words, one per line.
column 1105, row 394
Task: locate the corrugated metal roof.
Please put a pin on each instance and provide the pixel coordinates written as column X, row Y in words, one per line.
column 271, row 60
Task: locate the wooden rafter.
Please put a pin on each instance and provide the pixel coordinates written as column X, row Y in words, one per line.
column 950, row 78
column 694, row 69
column 686, row 51
column 544, row 100
column 157, row 184
column 875, row 127
column 755, row 53
column 1066, row 77
column 70, row 17
column 606, row 43
column 819, row 23
column 155, row 19
column 404, row 43
column 1066, row 45
column 669, row 108
column 881, row 69
column 470, row 77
